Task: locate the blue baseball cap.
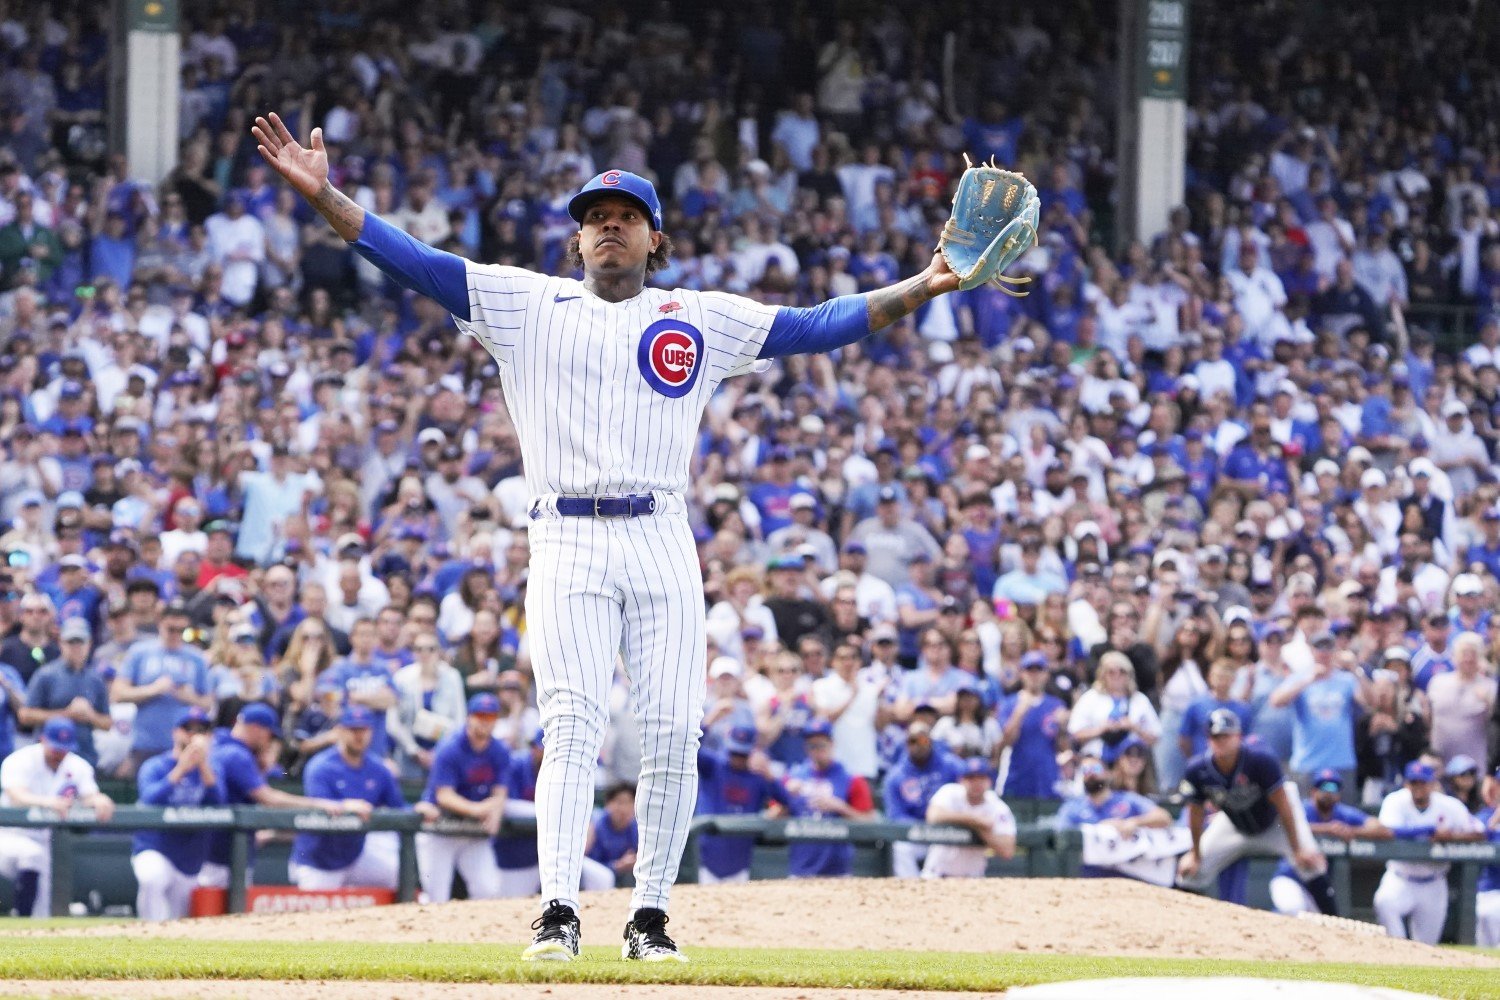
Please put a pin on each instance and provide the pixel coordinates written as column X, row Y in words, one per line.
column 1034, row 660
column 974, row 766
column 61, row 733
column 1328, row 780
column 1461, row 764
column 817, row 727
column 741, row 739
column 1418, row 771
column 357, row 717
column 193, row 716
column 617, row 182
column 258, row 713
column 484, row 704
column 1222, row 722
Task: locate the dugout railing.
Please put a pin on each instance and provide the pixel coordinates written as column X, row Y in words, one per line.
column 1043, row 851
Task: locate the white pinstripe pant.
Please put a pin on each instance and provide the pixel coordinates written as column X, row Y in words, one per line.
column 597, row 588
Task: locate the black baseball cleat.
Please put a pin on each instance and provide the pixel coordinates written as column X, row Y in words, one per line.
column 557, row 933
column 646, row 938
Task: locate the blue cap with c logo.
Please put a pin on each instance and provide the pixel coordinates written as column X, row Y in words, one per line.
column 620, row 182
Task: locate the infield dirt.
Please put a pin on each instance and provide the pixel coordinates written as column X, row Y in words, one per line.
column 1043, row 916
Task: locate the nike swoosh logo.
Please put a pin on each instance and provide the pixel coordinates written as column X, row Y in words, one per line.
column 565, row 298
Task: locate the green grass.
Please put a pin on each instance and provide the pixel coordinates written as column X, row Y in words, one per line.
column 71, row 957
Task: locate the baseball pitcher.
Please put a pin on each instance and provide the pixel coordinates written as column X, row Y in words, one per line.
column 606, row 381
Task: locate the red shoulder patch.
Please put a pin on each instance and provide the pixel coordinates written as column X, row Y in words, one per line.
column 670, row 307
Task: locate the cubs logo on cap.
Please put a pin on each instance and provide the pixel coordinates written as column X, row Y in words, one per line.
column 671, row 352
column 618, row 182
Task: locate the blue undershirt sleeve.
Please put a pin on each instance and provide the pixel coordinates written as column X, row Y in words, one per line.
column 836, row 323
column 437, row 274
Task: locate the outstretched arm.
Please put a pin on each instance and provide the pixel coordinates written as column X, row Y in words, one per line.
column 410, row 263
column 848, row 318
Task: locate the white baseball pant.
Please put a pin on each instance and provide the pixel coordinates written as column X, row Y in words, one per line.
column 1222, row 845
column 19, row 853
column 1401, row 900
column 216, row 876
column 907, row 858
column 1487, row 912
column 706, row 877
column 598, row 588
column 1291, row 897
column 520, row 881
column 378, row 866
column 162, row 892
column 439, row 855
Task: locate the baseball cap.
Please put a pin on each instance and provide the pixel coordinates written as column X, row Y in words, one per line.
column 1461, row 764
column 193, row 716
column 617, row 182
column 1034, row 660
column 1328, row 780
column 884, row 632
column 70, row 499
column 75, row 628
column 817, row 727
column 855, row 548
column 724, row 666
column 1467, row 585
column 802, row 501
column 176, row 607
column 73, row 561
column 1418, row 771
column 1322, row 639
column 741, row 739
column 1454, row 408
column 258, row 713
column 432, row 435
column 752, row 632
column 1223, row 721
column 1371, row 478
column 888, row 494
column 1325, row 467
column 974, row 767
column 61, row 733
column 484, row 704
column 349, row 540
column 1396, row 653
column 357, row 717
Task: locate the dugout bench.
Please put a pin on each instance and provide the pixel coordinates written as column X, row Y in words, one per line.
column 101, row 851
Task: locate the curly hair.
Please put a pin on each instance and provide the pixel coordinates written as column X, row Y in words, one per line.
column 573, row 256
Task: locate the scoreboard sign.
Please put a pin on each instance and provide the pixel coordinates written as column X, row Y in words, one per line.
column 1163, row 52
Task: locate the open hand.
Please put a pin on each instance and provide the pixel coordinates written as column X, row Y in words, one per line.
column 305, row 168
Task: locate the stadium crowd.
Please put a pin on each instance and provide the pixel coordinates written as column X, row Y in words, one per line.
column 1231, row 466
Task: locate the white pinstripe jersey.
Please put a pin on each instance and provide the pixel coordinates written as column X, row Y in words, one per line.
column 607, row 397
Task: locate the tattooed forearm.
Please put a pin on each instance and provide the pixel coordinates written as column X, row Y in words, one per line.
column 886, row 305
column 346, row 217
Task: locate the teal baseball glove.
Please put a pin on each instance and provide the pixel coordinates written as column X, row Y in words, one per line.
column 993, row 222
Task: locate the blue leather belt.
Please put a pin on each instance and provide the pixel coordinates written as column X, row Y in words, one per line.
column 627, row 505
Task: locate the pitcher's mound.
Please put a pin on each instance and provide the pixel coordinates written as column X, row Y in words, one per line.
column 1046, row 916
column 1197, row 989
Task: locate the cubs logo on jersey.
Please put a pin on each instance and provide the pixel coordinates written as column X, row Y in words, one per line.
column 671, row 352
